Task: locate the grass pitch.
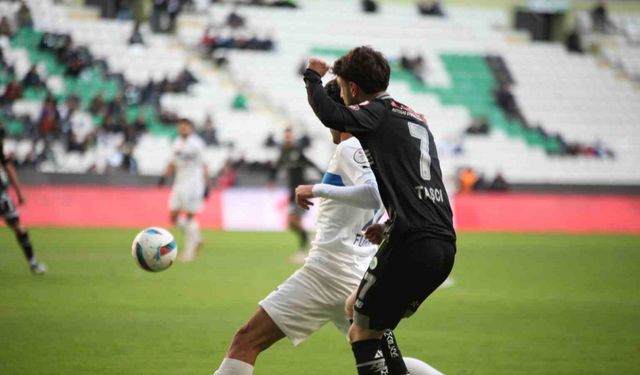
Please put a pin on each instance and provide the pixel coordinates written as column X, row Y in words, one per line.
column 522, row 304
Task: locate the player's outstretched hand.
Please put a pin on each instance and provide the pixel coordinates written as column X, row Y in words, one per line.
column 318, row 66
column 375, row 233
column 304, row 193
column 21, row 198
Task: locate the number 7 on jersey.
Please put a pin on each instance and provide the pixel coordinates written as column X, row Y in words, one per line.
column 420, row 132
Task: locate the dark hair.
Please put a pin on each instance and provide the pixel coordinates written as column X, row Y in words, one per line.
column 184, row 120
column 333, row 91
column 366, row 67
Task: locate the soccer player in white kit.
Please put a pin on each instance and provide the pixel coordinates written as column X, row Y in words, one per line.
column 189, row 186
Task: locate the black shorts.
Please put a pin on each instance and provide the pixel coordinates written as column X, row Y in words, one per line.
column 407, row 268
column 8, row 209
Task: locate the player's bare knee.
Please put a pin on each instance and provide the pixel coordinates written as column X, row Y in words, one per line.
column 357, row 333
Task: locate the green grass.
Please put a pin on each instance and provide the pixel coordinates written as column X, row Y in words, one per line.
column 522, row 304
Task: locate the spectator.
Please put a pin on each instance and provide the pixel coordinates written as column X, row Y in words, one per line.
column 49, row 124
column 23, row 16
column 499, row 183
column 430, row 8
column 208, row 133
column 479, row 126
column 574, row 42
column 600, row 17
column 173, row 10
column 12, row 92
column 158, row 15
column 112, row 124
column 234, row 20
column 467, row 180
column 97, row 105
column 139, row 125
column 32, row 79
column 369, row 6
column 136, row 35
column 5, row 27
column 413, row 65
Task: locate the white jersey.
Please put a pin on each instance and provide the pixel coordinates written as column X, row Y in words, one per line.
column 339, row 247
column 188, row 158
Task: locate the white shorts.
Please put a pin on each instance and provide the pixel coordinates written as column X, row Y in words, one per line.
column 306, row 301
column 188, row 200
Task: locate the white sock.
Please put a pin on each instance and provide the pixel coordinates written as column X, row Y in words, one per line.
column 192, row 238
column 181, row 223
column 230, row 366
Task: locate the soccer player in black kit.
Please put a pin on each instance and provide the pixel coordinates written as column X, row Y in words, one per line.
column 293, row 160
column 9, row 211
column 419, row 242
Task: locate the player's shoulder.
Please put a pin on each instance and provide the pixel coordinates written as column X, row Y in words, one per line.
column 351, row 150
column 197, row 141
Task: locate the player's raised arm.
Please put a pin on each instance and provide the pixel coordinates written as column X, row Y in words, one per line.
column 354, row 119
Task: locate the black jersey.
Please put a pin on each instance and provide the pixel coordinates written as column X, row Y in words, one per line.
column 402, row 154
column 293, row 160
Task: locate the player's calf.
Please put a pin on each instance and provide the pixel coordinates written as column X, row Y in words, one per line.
column 258, row 334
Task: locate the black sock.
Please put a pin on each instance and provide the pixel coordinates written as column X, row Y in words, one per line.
column 369, row 357
column 392, row 355
column 25, row 244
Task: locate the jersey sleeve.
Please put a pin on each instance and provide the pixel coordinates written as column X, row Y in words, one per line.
column 365, row 117
column 353, row 163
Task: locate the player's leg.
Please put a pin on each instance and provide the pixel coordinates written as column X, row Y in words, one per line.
column 294, row 310
column 22, row 235
column 295, row 224
column 193, row 239
column 257, row 335
column 393, row 288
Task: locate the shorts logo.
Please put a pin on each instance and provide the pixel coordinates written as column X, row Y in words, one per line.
column 374, row 263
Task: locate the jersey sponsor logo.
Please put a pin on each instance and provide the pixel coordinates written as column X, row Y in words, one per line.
column 360, row 157
column 361, row 241
column 434, row 194
column 403, row 110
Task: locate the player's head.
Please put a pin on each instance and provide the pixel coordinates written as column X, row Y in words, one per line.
column 289, row 140
column 333, row 91
column 362, row 73
column 185, row 127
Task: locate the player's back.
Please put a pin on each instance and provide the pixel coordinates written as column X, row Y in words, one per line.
column 188, row 161
column 403, row 155
column 339, row 246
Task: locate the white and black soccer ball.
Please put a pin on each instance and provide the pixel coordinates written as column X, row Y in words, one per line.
column 154, row 249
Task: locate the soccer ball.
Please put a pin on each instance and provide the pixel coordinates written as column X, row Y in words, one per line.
column 154, row 249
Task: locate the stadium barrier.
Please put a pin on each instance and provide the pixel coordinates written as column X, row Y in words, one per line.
column 266, row 209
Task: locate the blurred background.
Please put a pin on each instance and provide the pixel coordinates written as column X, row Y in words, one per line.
column 536, row 98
